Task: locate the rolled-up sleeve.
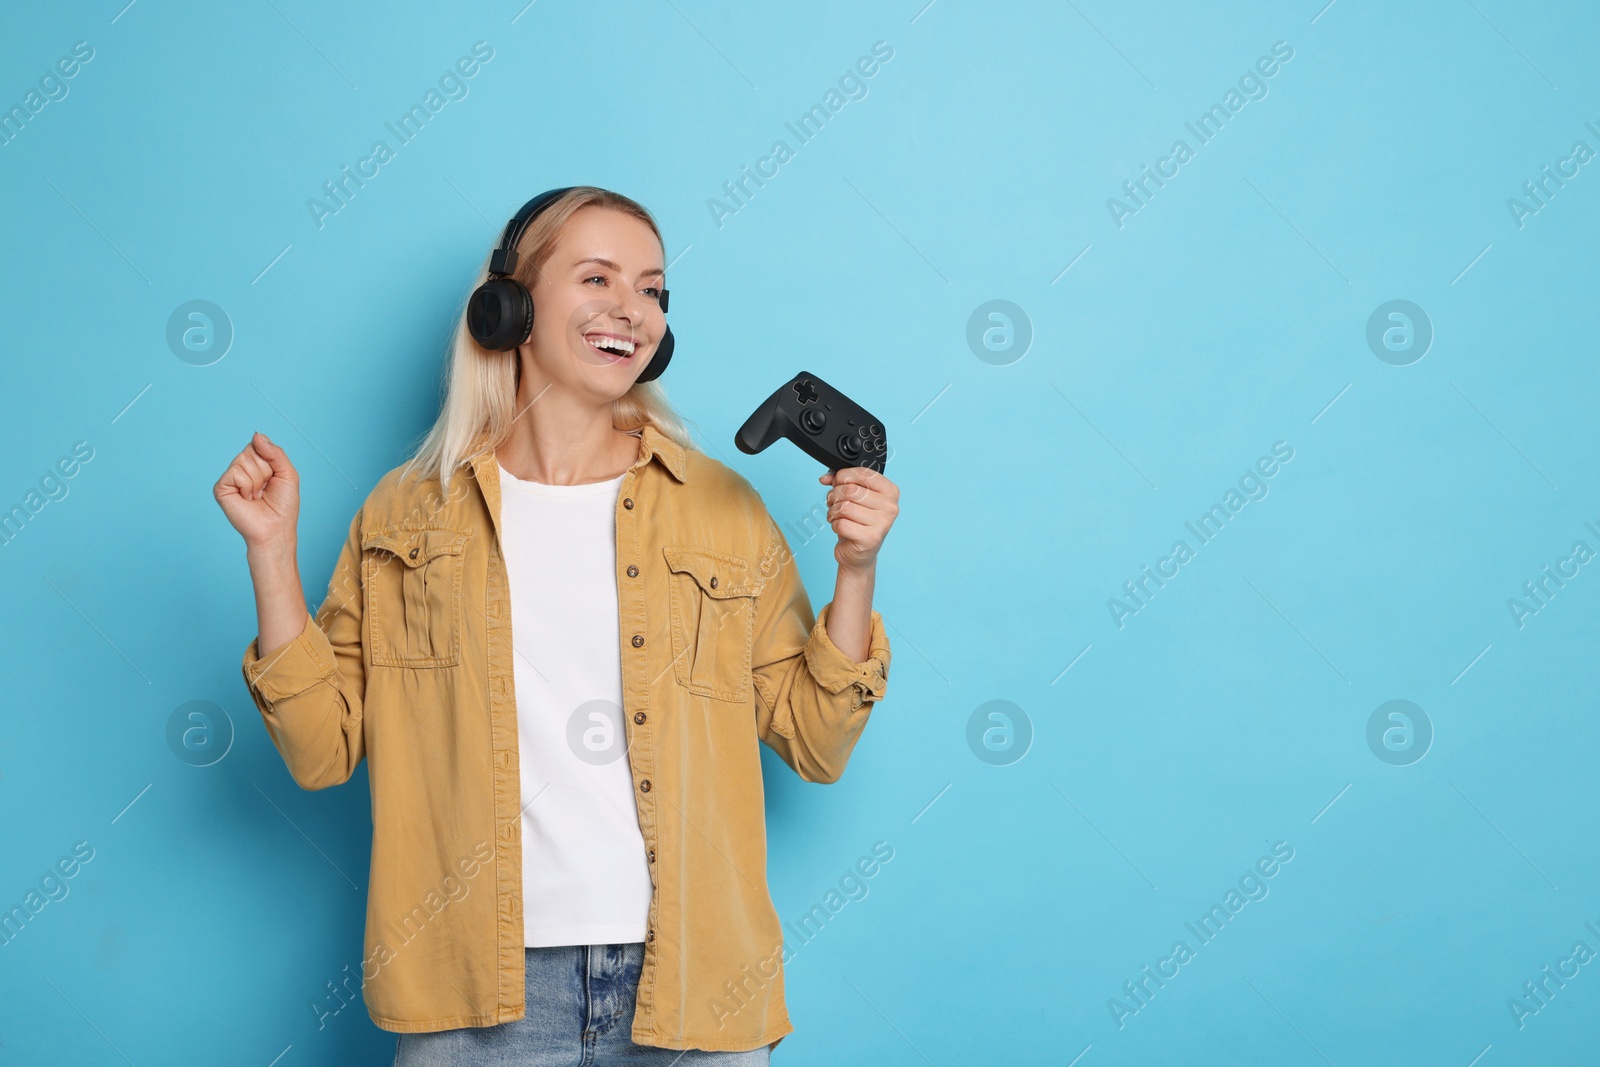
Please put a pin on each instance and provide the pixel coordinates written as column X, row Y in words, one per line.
column 813, row 699
column 309, row 692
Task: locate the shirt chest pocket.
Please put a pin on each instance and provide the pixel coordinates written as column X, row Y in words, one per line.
column 713, row 604
column 411, row 580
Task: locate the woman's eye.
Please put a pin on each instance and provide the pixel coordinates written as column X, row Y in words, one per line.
column 654, row 291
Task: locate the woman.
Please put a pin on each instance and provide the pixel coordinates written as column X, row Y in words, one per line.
column 569, row 844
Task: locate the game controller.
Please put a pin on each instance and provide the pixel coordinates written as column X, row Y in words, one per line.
column 822, row 422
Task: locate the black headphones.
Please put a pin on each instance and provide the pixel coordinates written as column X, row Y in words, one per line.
column 500, row 311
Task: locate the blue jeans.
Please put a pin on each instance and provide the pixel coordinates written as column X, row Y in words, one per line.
column 580, row 1014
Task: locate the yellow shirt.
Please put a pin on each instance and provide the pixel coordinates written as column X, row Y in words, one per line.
column 408, row 664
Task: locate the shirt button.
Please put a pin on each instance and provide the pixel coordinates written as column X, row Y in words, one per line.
column 638, row 640
column 644, row 786
column 713, row 581
column 638, row 716
column 627, row 502
column 650, row 936
column 413, row 553
column 633, row 572
column 652, row 855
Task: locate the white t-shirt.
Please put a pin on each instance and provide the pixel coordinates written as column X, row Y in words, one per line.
column 585, row 877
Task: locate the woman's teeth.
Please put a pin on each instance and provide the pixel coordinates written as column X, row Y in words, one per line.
column 612, row 345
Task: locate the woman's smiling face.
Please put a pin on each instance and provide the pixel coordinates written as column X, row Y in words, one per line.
column 597, row 312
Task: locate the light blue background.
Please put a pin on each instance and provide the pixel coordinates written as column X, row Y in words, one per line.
column 1229, row 313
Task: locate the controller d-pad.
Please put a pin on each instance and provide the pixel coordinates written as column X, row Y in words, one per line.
column 812, row 420
column 806, row 391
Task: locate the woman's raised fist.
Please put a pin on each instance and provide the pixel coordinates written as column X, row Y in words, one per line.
column 260, row 493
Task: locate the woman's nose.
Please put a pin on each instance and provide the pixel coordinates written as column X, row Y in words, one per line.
column 635, row 309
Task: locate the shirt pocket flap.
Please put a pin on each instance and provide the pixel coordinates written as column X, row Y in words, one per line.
column 414, row 546
column 719, row 576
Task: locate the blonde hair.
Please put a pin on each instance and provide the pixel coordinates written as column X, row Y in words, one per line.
column 479, row 399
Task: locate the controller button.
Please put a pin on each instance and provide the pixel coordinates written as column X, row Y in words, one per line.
column 872, row 435
column 812, row 421
column 848, row 447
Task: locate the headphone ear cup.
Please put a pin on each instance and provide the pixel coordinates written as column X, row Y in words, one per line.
column 500, row 314
column 659, row 361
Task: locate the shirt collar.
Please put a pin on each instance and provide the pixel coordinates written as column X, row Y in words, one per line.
column 669, row 452
column 652, row 442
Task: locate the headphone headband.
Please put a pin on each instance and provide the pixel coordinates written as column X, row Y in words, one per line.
column 504, row 259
